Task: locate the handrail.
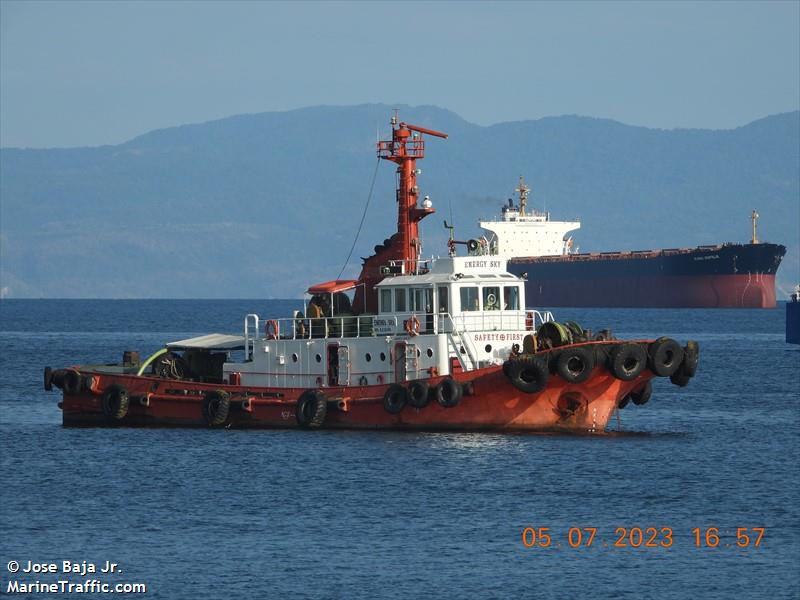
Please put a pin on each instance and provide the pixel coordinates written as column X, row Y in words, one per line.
column 357, row 326
column 248, row 349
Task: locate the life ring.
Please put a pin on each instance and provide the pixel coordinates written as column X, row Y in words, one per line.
column 216, row 406
column 272, row 329
column 312, row 406
column 115, row 402
column 395, row 398
column 448, row 393
column 529, row 375
column 627, row 361
column 412, row 326
column 665, row 357
column 418, row 394
column 575, row 365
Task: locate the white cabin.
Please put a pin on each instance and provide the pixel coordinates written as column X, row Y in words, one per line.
column 458, row 314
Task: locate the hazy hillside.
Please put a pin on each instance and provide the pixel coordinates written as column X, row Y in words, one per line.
column 261, row 205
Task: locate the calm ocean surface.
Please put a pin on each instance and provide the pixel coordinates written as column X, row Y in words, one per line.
column 324, row 514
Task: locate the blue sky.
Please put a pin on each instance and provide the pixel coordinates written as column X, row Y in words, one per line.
column 91, row 73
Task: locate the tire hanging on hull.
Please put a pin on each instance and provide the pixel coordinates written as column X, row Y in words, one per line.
column 312, row 407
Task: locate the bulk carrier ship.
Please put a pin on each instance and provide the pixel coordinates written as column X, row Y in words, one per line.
column 725, row 275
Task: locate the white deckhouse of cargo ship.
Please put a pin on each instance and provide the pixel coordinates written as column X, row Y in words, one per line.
column 523, row 232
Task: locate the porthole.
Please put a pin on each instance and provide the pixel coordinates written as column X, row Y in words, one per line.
column 429, row 352
column 318, row 357
column 419, row 353
column 488, row 348
column 294, row 357
column 383, row 357
column 463, row 350
column 368, row 357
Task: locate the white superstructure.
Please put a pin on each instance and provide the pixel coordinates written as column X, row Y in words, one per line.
column 455, row 314
column 521, row 233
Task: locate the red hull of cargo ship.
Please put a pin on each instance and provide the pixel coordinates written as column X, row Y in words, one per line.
column 678, row 291
column 721, row 276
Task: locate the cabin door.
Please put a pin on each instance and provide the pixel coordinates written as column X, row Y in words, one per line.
column 338, row 365
column 405, row 361
column 344, row 365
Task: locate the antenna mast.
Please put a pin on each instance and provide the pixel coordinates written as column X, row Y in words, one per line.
column 522, row 190
column 406, row 146
column 754, row 218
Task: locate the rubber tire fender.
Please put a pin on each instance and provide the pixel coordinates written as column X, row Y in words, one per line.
column 216, row 407
column 575, row 365
column 419, row 394
column 691, row 356
column 115, row 402
column 665, row 356
column 642, row 395
column 48, row 379
column 680, row 379
column 71, row 382
column 627, row 361
column 311, row 409
column 529, row 375
column 448, row 392
column 395, row 398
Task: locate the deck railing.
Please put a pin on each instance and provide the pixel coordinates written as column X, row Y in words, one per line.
column 351, row 326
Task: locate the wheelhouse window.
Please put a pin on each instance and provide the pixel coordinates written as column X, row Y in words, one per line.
column 386, row 301
column 511, row 297
column 400, row 299
column 469, row 298
column 444, row 302
column 491, row 298
column 421, row 299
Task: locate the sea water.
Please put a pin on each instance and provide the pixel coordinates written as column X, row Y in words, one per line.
column 194, row 513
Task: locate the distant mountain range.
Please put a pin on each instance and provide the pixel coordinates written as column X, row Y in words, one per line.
column 260, row 206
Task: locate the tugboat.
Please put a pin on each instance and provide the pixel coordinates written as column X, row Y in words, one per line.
column 412, row 344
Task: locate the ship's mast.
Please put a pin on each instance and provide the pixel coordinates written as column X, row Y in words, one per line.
column 523, row 191
column 754, row 218
column 405, row 148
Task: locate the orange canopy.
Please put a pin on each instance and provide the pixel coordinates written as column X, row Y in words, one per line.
column 331, row 287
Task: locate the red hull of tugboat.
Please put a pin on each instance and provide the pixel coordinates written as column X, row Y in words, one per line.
column 491, row 403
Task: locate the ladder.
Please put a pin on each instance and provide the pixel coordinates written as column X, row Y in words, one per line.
column 457, row 341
